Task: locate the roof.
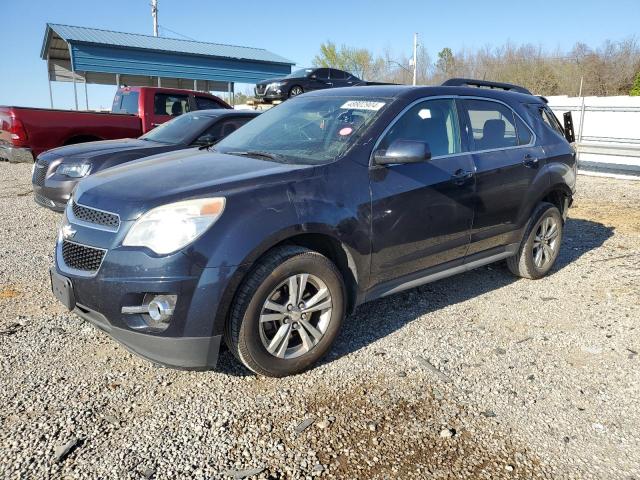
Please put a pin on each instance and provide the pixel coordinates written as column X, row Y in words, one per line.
column 97, row 36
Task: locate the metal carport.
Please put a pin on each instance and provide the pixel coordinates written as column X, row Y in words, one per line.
column 89, row 55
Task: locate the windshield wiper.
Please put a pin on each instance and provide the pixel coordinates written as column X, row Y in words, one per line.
column 255, row 153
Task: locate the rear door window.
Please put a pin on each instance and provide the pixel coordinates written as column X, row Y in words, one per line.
column 432, row 121
column 322, row 73
column 337, row 74
column 169, row 104
column 492, row 124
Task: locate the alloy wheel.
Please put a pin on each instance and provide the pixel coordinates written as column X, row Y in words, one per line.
column 295, row 316
column 545, row 243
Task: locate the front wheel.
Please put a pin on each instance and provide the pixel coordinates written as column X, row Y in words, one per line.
column 296, row 90
column 541, row 244
column 287, row 312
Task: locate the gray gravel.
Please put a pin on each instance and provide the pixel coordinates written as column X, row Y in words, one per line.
column 478, row 376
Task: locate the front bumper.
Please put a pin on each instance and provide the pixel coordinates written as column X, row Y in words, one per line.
column 15, row 154
column 270, row 94
column 189, row 353
column 43, row 201
column 193, row 336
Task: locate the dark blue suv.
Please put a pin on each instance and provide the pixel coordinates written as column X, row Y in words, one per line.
column 271, row 237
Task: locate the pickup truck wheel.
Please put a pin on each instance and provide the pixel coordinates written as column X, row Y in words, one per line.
column 295, row 90
column 287, row 312
column 541, row 244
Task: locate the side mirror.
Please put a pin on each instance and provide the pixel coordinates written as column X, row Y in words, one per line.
column 568, row 127
column 403, row 151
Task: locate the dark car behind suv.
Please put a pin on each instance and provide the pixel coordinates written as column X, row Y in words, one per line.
column 268, row 240
column 57, row 171
column 304, row 80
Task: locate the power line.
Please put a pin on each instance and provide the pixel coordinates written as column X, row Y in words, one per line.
column 177, row 33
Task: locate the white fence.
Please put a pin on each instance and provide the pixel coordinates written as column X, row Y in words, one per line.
column 607, row 131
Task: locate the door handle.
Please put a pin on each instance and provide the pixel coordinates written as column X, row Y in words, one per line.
column 460, row 177
column 530, row 161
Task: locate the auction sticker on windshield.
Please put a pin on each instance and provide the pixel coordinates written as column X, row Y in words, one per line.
column 362, row 105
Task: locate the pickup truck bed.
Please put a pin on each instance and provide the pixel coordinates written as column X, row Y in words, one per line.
column 49, row 128
column 27, row 132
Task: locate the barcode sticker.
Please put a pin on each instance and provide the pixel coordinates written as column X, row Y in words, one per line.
column 362, row 105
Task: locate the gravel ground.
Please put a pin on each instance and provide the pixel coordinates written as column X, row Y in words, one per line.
column 478, row 376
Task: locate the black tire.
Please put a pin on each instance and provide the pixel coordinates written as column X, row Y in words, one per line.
column 523, row 264
column 295, row 90
column 243, row 332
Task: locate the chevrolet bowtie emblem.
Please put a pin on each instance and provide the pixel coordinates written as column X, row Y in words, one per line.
column 68, row 231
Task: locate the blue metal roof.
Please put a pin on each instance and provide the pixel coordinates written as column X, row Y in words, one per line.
column 96, row 36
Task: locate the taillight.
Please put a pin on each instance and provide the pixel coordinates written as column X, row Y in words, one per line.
column 18, row 132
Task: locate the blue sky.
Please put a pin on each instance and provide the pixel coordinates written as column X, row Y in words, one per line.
column 297, row 32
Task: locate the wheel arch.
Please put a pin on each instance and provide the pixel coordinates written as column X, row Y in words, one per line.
column 320, row 241
column 560, row 195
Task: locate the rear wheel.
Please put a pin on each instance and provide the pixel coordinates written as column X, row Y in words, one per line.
column 287, row 313
column 541, row 244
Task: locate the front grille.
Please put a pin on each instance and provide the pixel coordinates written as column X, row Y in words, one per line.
column 81, row 257
column 260, row 89
column 44, row 201
column 40, row 172
column 91, row 215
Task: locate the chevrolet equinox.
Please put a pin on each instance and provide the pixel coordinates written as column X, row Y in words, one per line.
column 270, row 238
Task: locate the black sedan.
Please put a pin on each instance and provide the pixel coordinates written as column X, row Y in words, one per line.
column 56, row 172
column 304, row 80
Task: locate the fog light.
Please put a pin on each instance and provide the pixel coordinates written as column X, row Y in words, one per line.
column 161, row 308
column 156, row 310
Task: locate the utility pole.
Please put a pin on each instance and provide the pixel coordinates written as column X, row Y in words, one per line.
column 415, row 57
column 154, row 14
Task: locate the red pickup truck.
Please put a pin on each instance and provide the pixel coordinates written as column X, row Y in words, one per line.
column 27, row 132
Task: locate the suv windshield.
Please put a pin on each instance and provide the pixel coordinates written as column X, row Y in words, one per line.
column 312, row 130
column 303, row 72
column 179, row 130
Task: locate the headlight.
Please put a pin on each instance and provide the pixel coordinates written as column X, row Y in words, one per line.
column 170, row 227
column 275, row 85
column 75, row 170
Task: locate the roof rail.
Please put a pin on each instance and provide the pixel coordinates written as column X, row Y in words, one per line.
column 470, row 82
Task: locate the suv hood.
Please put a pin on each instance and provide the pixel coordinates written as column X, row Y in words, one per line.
column 82, row 151
column 134, row 188
column 273, row 80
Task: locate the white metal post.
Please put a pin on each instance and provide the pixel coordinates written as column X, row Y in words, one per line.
column 49, row 82
column 86, row 95
column 154, row 14
column 73, row 76
column 415, row 57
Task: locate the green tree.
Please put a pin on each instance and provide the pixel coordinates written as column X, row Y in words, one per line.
column 635, row 89
column 358, row 61
column 446, row 63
